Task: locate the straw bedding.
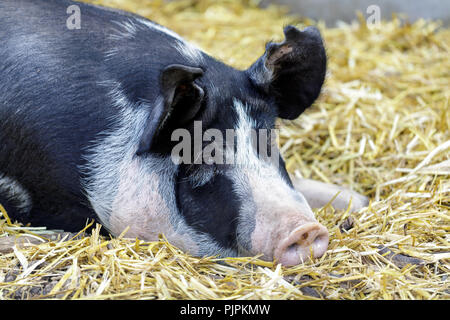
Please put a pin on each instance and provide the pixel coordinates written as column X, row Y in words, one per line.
column 381, row 127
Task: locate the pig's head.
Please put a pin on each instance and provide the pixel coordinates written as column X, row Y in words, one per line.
column 216, row 124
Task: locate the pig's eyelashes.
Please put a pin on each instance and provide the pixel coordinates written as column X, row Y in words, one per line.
column 202, row 175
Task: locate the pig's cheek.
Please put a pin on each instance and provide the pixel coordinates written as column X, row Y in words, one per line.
column 139, row 206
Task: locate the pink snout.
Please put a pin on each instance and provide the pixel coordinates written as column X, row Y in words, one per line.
column 308, row 240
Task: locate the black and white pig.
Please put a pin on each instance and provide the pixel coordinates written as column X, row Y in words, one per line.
column 87, row 120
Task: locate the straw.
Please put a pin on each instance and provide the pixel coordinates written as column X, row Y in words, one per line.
column 381, row 127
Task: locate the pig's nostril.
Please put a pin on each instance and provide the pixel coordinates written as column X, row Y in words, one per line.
column 298, row 246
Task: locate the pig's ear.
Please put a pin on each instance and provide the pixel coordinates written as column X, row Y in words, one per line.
column 181, row 101
column 293, row 71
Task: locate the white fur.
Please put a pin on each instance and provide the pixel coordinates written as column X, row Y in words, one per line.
column 128, row 30
column 160, row 28
column 185, row 48
column 189, row 51
column 111, row 53
column 262, row 76
column 12, row 189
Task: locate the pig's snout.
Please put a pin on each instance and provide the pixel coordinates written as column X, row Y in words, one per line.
column 308, row 240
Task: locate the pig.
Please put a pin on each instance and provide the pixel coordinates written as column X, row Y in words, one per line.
column 90, row 110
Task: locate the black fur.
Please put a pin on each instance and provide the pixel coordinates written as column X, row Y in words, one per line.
column 209, row 208
column 297, row 75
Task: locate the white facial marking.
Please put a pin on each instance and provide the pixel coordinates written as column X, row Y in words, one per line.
column 275, row 208
column 139, row 205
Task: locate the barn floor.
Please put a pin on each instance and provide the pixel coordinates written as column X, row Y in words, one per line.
column 380, row 127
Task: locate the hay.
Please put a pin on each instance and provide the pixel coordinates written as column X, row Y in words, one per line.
column 380, row 127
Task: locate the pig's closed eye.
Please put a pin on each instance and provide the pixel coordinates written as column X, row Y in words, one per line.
column 202, row 175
